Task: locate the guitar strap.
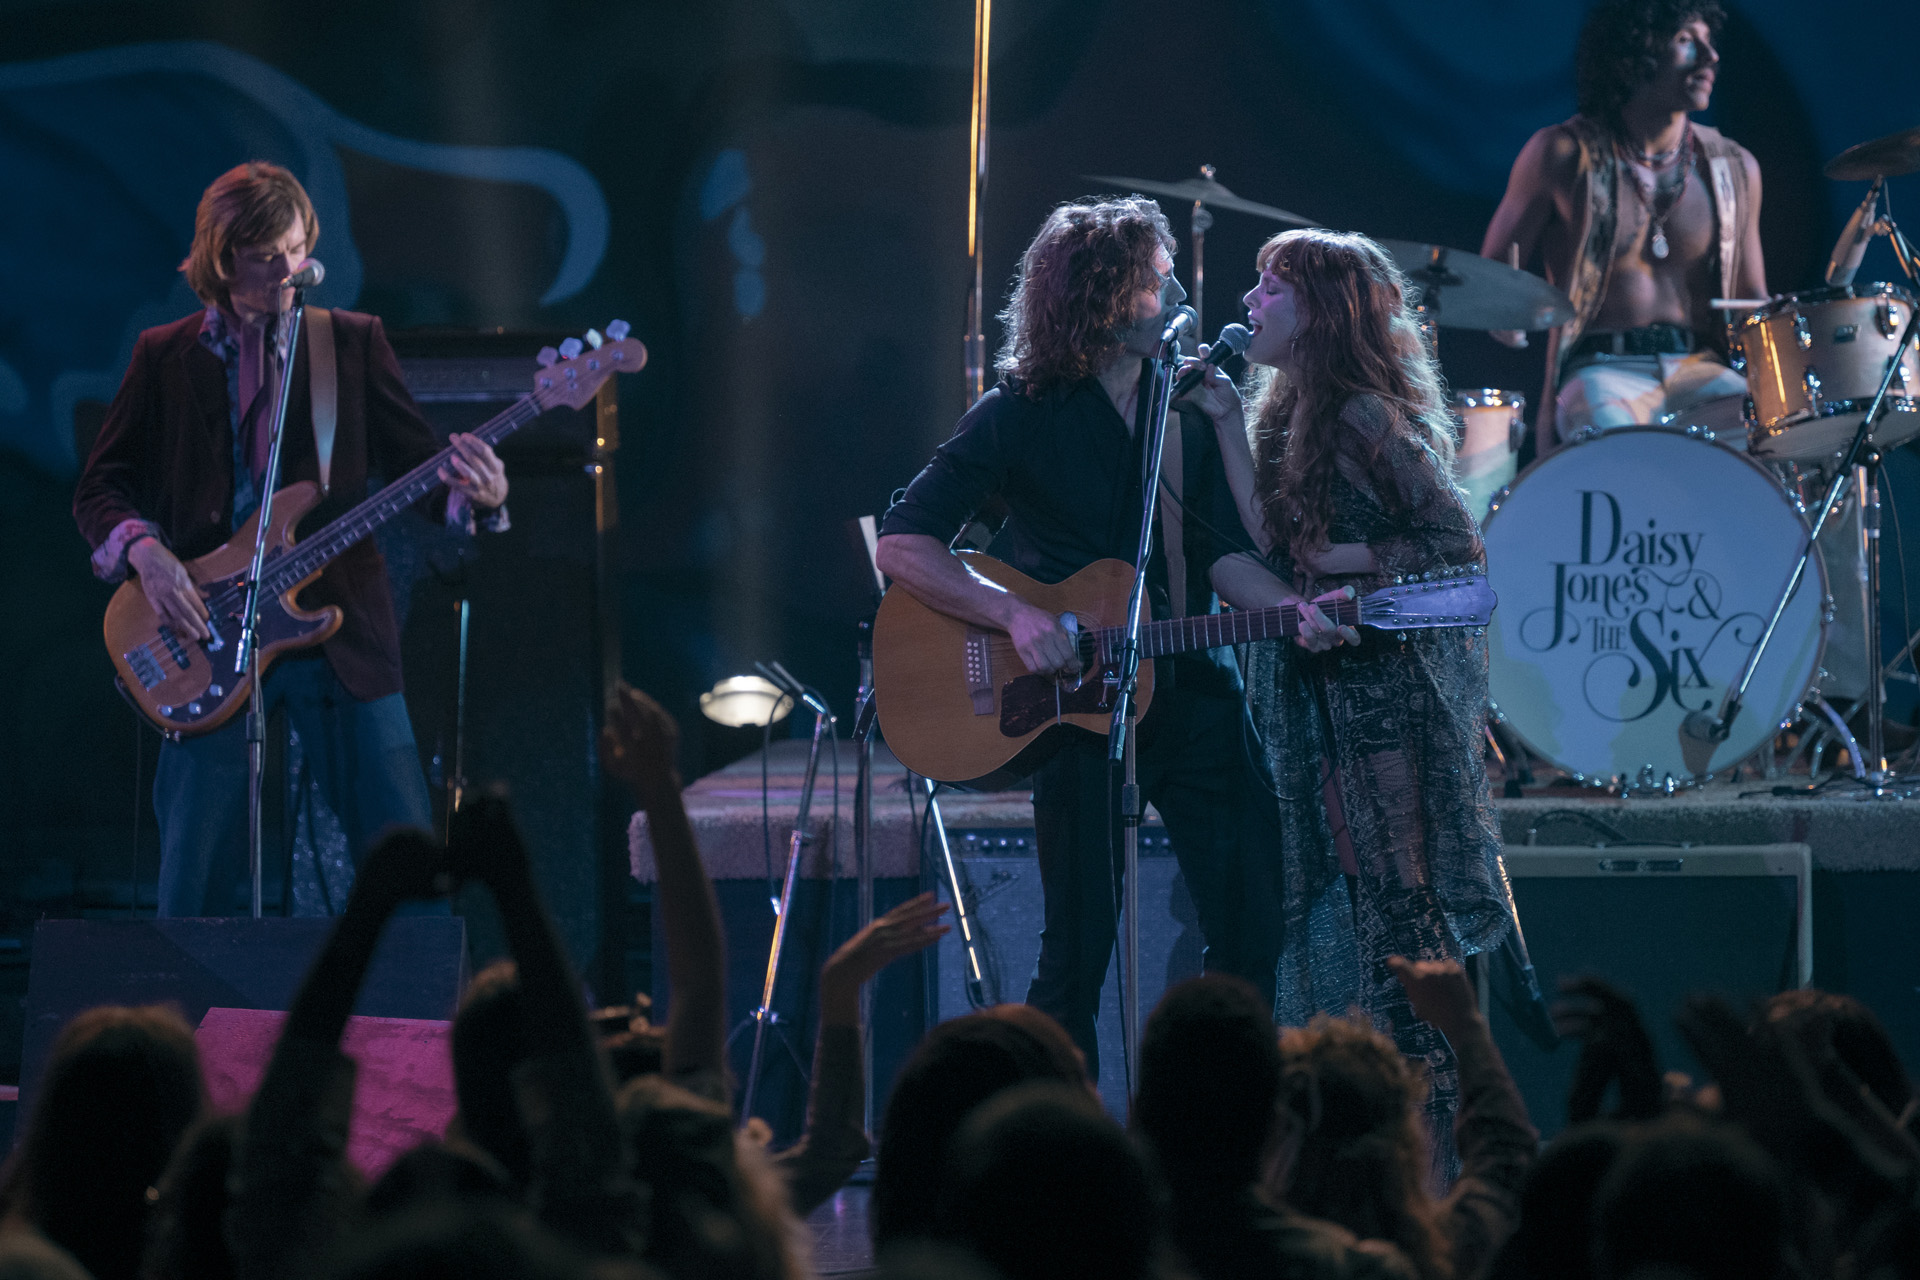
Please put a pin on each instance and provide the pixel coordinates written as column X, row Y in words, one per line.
column 324, row 374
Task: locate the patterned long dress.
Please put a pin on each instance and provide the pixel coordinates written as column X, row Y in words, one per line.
column 1397, row 724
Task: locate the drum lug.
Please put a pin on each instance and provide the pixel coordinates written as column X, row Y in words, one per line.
column 1737, row 356
column 1810, row 379
column 1899, row 370
column 1885, row 320
column 1801, row 333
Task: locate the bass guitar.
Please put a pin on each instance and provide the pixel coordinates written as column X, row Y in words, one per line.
column 958, row 705
column 187, row 686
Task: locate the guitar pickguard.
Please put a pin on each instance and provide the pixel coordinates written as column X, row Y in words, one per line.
column 1032, row 702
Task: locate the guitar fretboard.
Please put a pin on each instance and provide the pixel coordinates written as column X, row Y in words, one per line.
column 283, row 571
column 1212, row 630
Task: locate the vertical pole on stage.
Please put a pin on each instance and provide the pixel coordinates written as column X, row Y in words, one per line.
column 1200, row 222
column 976, row 338
column 246, row 657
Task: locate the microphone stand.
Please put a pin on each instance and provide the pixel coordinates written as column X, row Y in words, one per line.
column 764, row 1015
column 1121, row 748
column 246, row 654
column 1864, row 457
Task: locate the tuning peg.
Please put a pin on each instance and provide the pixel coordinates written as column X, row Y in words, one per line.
column 593, row 338
column 547, row 357
column 618, row 330
column 570, row 348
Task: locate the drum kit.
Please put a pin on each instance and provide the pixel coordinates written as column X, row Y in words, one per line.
column 1674, row 596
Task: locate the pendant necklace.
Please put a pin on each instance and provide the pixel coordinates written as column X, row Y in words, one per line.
column 1658, row 208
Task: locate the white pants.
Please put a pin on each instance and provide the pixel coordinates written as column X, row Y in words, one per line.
column 1605, row 391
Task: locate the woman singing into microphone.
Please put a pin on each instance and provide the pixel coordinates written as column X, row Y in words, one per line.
column 1390, row 840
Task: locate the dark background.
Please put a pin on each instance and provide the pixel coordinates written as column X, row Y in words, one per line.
column 783, row 191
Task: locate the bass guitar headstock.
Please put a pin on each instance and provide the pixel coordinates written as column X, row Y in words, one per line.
column 1442, row 599
column 571, row 375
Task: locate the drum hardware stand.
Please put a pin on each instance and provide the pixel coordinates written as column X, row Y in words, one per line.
column 1121, row 747
column 1200, row 222
column 246, row 654
column 764, row 1016
column 1861, row 456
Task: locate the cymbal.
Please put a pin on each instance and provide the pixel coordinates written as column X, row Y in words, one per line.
column 1207, row 192
column 1462, row 290
column 1887, row 157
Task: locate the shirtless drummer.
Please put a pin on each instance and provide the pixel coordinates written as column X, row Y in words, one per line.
column 1643, row 217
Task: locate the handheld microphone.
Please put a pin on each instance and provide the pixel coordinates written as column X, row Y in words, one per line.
column 1231, row 344
column 1852, row 245
column 1181, row 321
column 306, row 277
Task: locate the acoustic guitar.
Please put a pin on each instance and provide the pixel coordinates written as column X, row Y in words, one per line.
column 187, row 686
column 958, row 705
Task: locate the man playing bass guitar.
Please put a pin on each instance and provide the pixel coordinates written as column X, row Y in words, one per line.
column 1058, row 442
column 176, row 471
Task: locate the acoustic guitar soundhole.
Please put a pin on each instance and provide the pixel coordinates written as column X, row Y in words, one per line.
column 1033, row 702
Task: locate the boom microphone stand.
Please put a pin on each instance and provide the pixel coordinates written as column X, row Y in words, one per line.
column 1121, row 748
column 246, row 654
column 761, row 1017
column 1864, row 456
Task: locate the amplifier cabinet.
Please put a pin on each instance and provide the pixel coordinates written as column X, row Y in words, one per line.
column 1660, row 923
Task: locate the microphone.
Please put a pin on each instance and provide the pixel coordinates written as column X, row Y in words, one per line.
column 1852, row 245
column 1704, row 726
column 1181, row 321
column 306, row 277
column 1231, row 344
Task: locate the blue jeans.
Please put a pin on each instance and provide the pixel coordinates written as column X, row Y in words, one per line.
column 361, row 755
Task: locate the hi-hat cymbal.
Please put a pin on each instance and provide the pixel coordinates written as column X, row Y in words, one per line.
column 1463, row 290
column 1887, row 157
column 1207, row 192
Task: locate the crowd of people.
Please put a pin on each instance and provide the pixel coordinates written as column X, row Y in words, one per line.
column 581, row 1149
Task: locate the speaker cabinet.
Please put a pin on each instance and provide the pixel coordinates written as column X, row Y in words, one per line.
column 531, row 618
column 1000, row 884
column 1658, row 923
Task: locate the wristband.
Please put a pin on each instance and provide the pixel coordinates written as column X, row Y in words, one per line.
column 136, row 540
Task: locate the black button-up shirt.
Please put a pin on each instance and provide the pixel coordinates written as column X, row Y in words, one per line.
column 1070, row 475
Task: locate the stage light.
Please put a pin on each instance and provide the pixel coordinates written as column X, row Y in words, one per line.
column 740, row 701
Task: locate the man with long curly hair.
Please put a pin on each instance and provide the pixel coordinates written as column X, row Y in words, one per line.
column 1643, row 217
column 1058, row 441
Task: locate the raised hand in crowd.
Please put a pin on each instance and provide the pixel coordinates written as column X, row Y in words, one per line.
column 1440, row 992
column 1614, row 1049
column 912, row 926
column 638, row 747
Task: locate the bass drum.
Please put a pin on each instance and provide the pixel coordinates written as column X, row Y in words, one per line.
column 1636, row 569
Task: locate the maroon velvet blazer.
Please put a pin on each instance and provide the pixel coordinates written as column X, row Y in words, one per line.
column 165, row 454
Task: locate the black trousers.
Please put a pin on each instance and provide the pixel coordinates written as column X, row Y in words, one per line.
column 1197, row 766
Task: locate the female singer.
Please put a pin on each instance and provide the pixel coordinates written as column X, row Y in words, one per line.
column 1390, row 839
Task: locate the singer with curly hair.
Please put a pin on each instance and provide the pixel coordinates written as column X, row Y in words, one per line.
column 1391, row 841
column 1058, row 443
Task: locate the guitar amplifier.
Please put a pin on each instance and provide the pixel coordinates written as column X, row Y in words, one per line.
column 1000, row 883
column 1660, row 923
column 540, row 633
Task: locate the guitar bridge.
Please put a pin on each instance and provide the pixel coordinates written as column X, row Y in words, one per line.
column 979, row 665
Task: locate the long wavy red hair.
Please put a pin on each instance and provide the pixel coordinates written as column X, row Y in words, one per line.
column 1072, row 300
column 1358, row 336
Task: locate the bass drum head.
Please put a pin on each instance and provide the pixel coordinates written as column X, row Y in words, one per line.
column 1635, row 571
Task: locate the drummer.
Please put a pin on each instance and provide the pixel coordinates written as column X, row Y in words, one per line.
column 1643, row 217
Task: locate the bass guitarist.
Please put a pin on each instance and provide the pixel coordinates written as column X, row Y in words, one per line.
column 175, row 472
column 1057, row 441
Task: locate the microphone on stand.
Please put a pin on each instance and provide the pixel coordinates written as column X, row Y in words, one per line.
column 1231, row 344
column 1852, row 245
column 1179, row 322
column 307, row 276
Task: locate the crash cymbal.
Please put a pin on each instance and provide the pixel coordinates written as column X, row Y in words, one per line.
column 1462, row 290
column 1207, row 192
column 1887, row 157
